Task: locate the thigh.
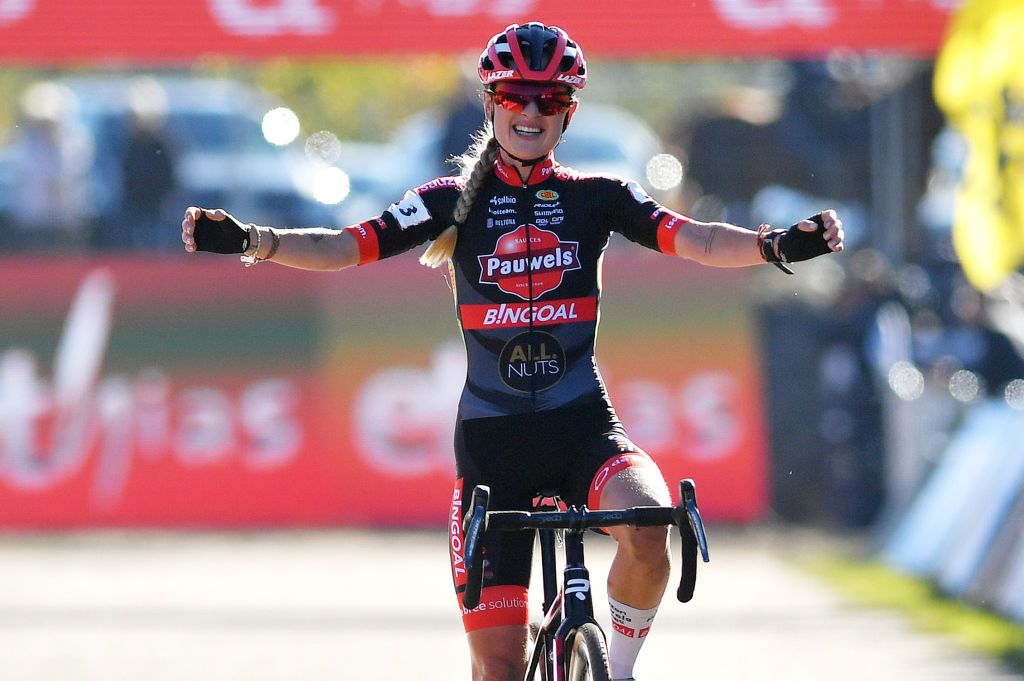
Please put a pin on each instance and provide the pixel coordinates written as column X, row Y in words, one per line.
column 488, row 453
column 609, row 470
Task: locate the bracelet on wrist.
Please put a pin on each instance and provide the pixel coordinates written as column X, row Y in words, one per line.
column 253, row 258
column 767, row 242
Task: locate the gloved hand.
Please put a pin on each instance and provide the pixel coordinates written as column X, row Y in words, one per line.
column 214, row 231
column 817, row 235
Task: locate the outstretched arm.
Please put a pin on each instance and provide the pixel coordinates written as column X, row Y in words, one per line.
column 724, row 245
column 315, row 248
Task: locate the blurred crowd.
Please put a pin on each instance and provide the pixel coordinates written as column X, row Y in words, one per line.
column 892, row 325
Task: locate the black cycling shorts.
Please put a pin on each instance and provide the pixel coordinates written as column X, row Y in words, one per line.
column 566, row 450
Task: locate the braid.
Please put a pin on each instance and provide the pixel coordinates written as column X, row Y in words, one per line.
column 476, row 164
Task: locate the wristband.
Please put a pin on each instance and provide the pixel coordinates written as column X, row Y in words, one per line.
column 254, row 258
column 766, row 239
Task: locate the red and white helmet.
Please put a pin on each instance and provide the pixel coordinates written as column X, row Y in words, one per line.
column 536, row 53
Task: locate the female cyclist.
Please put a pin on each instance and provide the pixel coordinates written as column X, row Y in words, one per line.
column 523, row 238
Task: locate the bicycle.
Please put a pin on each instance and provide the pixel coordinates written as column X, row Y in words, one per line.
column 569, row 644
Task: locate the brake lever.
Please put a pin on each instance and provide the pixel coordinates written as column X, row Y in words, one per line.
column 693, row 540
column 688, row 493
column 473, row 527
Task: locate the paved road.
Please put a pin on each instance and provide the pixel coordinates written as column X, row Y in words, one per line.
column 340, row 605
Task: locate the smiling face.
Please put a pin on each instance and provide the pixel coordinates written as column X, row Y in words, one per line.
column 528, row 118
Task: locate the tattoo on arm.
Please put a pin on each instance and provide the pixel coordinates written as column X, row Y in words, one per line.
column 711, row 237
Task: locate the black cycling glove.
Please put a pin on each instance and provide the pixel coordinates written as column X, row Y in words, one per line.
column 220, row 236
column 795, row 244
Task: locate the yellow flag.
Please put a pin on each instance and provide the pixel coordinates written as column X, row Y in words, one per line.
column 979, row 84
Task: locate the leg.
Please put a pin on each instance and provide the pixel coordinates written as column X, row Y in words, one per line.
column 640, row 570
column 499, row 653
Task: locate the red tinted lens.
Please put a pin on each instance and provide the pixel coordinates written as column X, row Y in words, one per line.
column 512, row 101
column 548, row 103
column 553, row 103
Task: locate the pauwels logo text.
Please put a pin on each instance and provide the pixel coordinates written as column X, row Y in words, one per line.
column 529, row 260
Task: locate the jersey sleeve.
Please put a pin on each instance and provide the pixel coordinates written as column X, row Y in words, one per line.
column 420, row 215
column 641, row 219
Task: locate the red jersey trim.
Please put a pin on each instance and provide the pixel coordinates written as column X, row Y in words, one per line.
column 366, row 238
column 515, row 315
column 541, row 172
column 668, row 227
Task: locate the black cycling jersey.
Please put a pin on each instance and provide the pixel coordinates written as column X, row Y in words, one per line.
column 526, row 275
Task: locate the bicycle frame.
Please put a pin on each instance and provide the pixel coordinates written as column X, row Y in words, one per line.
column 569, row 609
column 562, row 616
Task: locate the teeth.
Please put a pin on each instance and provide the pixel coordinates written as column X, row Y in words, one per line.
column 526, row 130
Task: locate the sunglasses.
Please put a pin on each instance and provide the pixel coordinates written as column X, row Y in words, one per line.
column 549, row 102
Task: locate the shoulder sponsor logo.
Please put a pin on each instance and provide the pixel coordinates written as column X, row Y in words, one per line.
column 410, row 210
column 514, row 315
column 515, row 264
column 547, row 195
column 438, row 183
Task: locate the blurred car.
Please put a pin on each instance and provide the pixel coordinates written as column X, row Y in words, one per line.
column 601, row 139
column 215, row 128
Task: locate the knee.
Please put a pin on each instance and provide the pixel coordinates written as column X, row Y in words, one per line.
column 646, row 545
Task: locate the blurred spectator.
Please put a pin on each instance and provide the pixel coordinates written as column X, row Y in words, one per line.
column 49, row 158
column 147, row 171
column 732, row 153
column 824, row 132
column 462, row 118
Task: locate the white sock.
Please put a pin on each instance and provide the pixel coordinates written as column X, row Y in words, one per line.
column 629, row 631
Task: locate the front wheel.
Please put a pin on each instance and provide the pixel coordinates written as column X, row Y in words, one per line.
column 589, row 661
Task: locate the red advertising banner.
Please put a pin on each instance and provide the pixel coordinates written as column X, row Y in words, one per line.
column 189, row 391
column 57, row 31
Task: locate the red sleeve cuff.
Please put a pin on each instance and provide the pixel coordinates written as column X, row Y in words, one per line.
column 366, row 238
column 668, row 227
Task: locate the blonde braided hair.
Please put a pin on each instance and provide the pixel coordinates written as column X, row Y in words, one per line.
column 476, row 164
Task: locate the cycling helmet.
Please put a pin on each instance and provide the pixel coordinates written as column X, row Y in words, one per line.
column 533, row 52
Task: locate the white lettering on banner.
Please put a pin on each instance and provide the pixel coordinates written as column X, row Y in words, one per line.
column 15, row 10
column 462, row 8
column 255, row 18
column 120, row 418
column 404, row 417
column 761, row 15
column 702, row 421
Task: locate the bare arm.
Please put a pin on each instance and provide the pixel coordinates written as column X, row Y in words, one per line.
column 315, row 248
column 723, row 245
